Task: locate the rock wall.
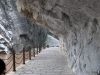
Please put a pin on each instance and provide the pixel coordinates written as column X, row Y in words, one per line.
column 16, row 30
column 76, row 23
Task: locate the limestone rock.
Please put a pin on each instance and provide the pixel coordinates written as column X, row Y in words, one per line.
column 76, row 23
column 14, row 25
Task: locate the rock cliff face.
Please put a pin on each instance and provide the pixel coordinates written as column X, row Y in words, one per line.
column 76, row 23
column 15, row 30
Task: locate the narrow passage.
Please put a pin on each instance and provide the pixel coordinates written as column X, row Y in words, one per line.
column 48, row 62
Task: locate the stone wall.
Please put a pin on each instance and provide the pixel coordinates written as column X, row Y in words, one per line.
column 76, row 23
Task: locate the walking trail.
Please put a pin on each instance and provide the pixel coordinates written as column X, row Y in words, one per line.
column 48, row 62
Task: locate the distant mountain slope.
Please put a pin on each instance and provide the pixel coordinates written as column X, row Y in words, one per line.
column 51, row 41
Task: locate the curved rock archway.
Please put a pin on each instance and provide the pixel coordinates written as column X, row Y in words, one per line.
column 76, row 23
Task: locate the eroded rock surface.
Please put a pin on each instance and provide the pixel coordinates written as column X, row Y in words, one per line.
column 76, row 23
column 15, row 30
